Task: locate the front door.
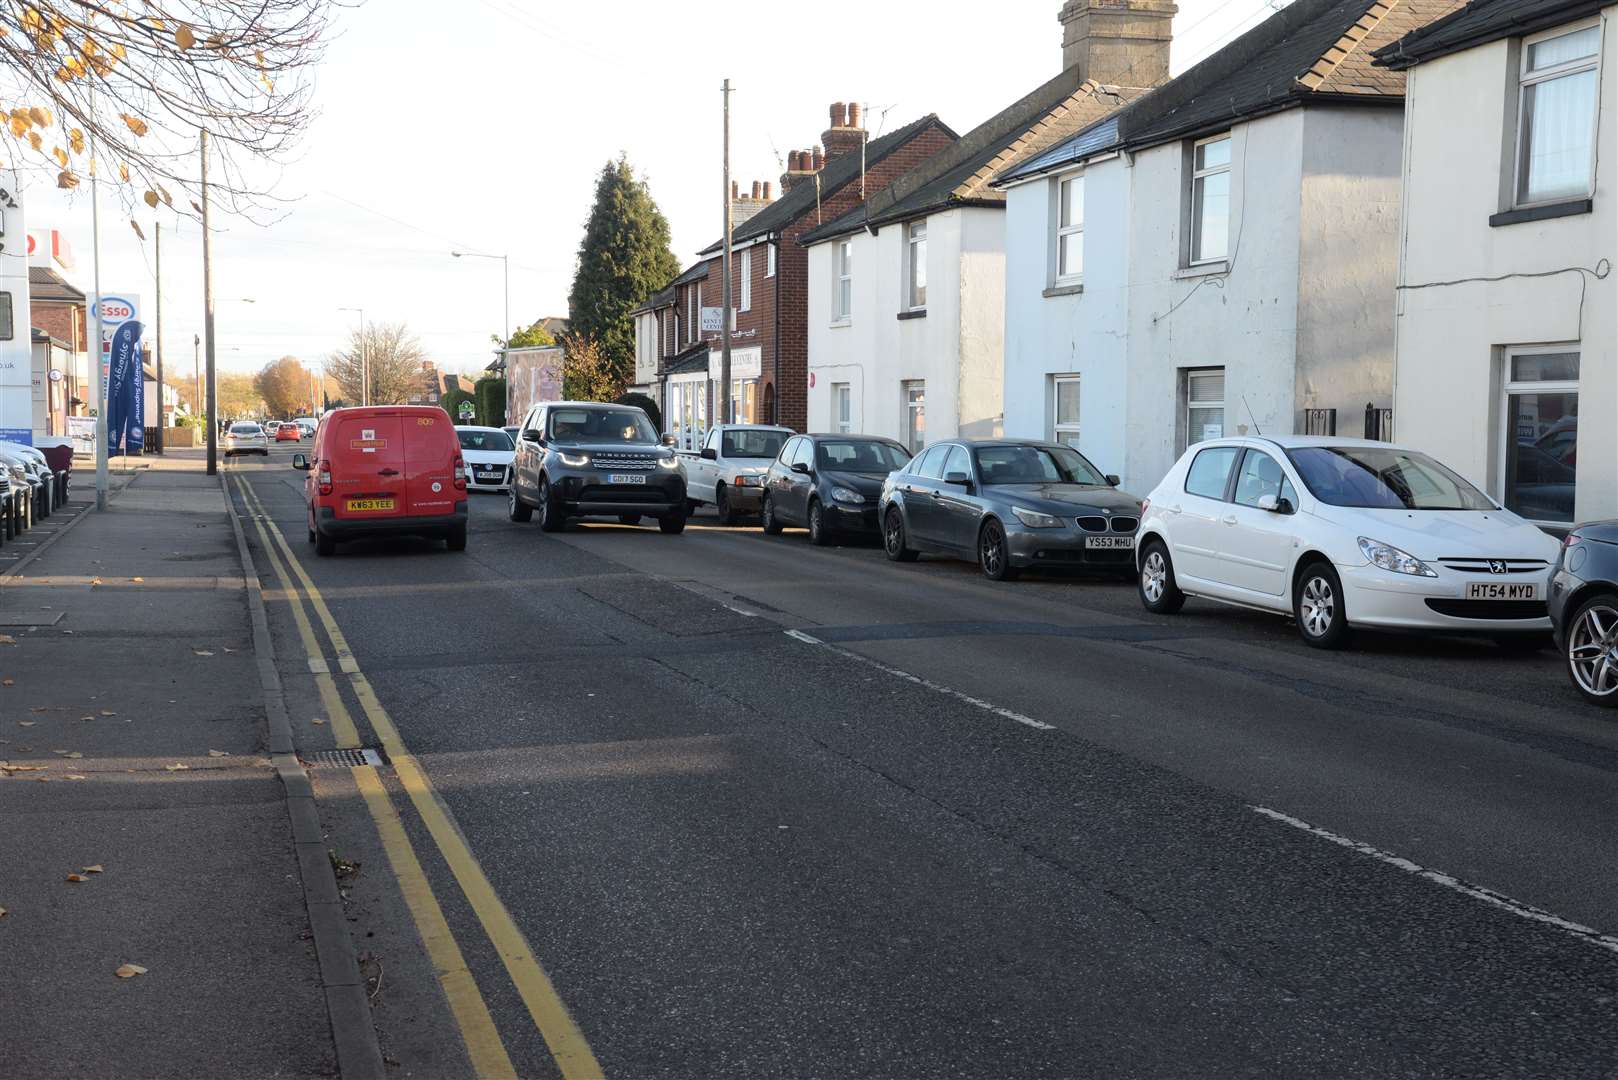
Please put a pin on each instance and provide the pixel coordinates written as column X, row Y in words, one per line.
column 799, row 485
column 525, row 463
column 920, row 492
column 959, row 509
column 1195, row 532
column 1256, row 546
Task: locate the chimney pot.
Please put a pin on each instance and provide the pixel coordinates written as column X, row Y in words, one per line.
column 839, row 114
column 755, row 189
column 856, row 114
column 733, row 189
column 819, row 159
column 767, row 195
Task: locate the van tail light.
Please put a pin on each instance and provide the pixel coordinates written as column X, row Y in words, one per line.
column 323, row 477
column 460, row 473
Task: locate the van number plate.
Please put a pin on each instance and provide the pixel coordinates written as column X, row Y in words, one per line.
column 1489, row 590
column 626, row 478
column 369, row 504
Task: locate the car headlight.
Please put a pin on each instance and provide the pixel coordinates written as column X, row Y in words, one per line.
column 577, row 461
column 843, row 494
column 670, row 462
column 1392, row 559
column 1035, row 520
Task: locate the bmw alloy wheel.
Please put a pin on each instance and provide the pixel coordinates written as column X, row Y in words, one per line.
column 1592, row 650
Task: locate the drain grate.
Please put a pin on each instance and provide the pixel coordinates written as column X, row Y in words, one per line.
column 341, row 759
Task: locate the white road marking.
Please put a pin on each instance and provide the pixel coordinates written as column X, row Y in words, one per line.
column 1476, row 892
column 742, row 611
column 986, row 706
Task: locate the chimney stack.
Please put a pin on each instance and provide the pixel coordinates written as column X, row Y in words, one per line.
column 800, row 166
column 845, row 135
column 744, row 205
column 817, row 161
column 1118, row 42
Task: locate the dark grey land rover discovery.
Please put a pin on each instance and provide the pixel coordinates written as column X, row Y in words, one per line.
column 591, row 459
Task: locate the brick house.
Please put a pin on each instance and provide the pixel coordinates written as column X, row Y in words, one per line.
column 770, row 282
column 58, row 309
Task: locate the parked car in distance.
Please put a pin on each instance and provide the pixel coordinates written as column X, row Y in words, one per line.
column 1343, row 533
column 828, row 484
column 728, row 472
column 592, row 459
column 308, row 424
column 27, row 479
column 39, row 468
column 289, row 433
column 271, row 427
column 1009, row 505
column 489, row 453
column 1584, row 610
column 393, row 470
column 246, row 437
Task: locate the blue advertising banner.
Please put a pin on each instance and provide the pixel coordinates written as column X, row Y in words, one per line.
column 126, row 430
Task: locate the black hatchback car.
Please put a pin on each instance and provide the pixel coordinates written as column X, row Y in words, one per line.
column 1009, row 505
column 1584, row 610
column 588, row 458
column 828, row 484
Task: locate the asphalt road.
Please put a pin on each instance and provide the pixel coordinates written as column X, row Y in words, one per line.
column 955, row 828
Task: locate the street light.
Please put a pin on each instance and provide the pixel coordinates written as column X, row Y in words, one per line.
column 505, row 340
column 365, row 363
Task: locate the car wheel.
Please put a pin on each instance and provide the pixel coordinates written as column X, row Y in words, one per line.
column 893, row 537
column 516, row 509
column 819, row 531
column 1158, row 592
column 672, row 524
column 766, row 513
column 721, row 503
column 550, row 515
column 456, row 540
column 325, row 545
column 994, row 554
column 1592, row 650
column 691, row 507
column 1317, row 603
column 629, row 519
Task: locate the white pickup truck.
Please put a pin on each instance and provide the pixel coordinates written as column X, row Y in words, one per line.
column 728, row 471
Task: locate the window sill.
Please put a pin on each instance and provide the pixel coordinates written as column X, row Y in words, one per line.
column 837, row 324
column 1570, row 208
column 1073, row 289
column 917, row 313
column 1202, row 270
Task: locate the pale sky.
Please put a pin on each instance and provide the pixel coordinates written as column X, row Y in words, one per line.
column 481, row 125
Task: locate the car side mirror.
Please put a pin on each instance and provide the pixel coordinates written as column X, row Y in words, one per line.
column 800, row 467
column 710, row 454
column 1113, row 480
column 301, row 462
column 958, row 479
column 670, row 440
column 532, row 435
column 1275, row 504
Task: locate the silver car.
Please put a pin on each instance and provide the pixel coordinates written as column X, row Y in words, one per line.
column 246, row 437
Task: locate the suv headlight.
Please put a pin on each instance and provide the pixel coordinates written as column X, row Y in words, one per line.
column 577, row 461
column 843, row 494
column 670, row 462
column 1392, row 559
column 1035, row 520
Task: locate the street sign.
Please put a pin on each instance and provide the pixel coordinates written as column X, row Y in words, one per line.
column 467, row 411
column 713, row 320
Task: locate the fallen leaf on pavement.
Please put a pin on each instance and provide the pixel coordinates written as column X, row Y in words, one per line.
column 218, row 753
column 87, row 718
column 176, row 767
column 8, row 682
column 108, row 712
column 96, row 869
column 95, row 581
column 58, row 751
column 203, row 652
column 129, row 971
column 317, row 720
column 137, row 579
column 26, row 723
column 75, row 754
column 76, row 878
column 75, row 776
column 2, row 912
column 40, row 708
column 11, row 767
column 7, row 639
column 228, row 649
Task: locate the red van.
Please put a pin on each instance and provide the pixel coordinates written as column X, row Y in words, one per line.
column 385, row 470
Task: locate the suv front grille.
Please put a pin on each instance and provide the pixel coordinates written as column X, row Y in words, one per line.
column 624, row 462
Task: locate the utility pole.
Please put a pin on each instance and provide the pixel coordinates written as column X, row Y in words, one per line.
column 157, row 243
column 724, row 333
column 207, row 319
column 98, row 379
column 196, row 371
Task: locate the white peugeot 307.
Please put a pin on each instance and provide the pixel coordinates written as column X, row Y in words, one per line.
column 1342, row 533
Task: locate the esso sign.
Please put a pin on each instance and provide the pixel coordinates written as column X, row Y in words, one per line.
column 116, row 310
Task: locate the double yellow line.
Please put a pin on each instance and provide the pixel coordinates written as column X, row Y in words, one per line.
column 488, row 1053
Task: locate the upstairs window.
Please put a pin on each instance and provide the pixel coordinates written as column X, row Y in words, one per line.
column 1070, row 230
column 1557, row 126
column 916, row 265
column 747, row 280
column 1210, row 199
column 843, row 283
column 769, row 260
column 691, row 323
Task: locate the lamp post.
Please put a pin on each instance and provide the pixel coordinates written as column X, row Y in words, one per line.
column 365, row 361
column 505, row 338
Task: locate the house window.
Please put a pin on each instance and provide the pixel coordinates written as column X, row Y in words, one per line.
column 769, row 260
column 1210, row 199
column 691, row 314
column 1065, row 409
column 747, row 280
column 1070, row 230
column 1557, row 127
column 915, row 418
column 916, row 264
column 1541, row 439
column 842, row 408
column 1203, row 390
column 843, row 293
